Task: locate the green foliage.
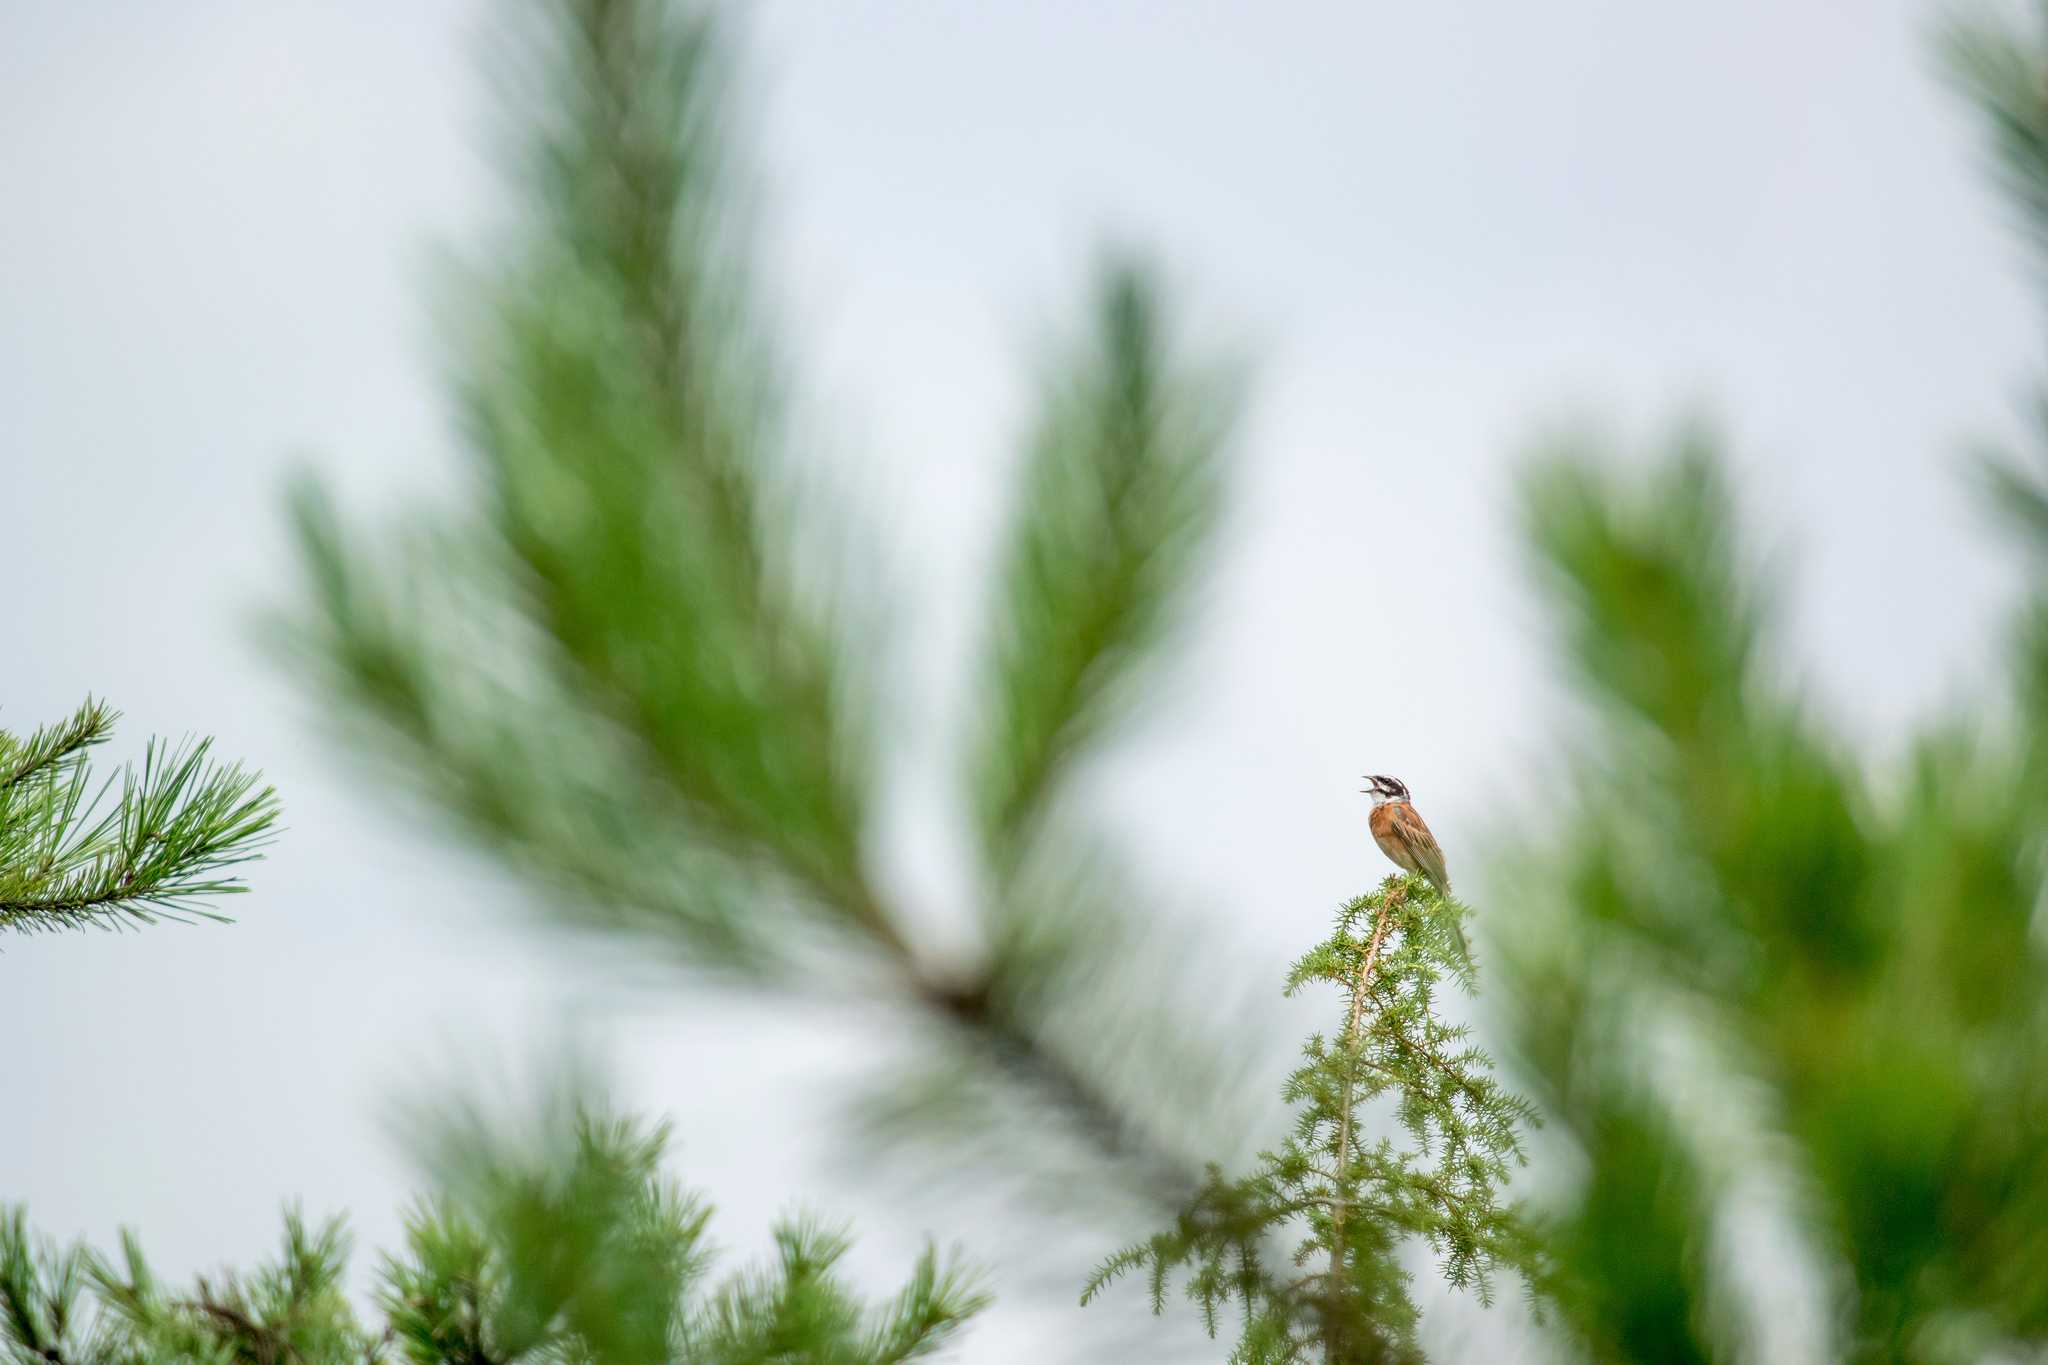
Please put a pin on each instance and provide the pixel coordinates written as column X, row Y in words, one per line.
column 71, row 859
column 645, row 665
column 1870, row 963
column 1120, row 491
column 1718, row 878
column 1339, row 1204
column 1744, row 963
column 76, row 1307
column 580, row 1254
column 1998, row 67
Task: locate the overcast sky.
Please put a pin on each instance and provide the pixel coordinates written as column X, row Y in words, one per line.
column 1438, row 228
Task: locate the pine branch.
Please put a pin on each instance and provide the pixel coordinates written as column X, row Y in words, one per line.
column 1358, row 988
column 1090, row 1048
column 1120, row 493
column 575, row 1250
column 38, row 1293
column 1997, row 65
column 1351, row 1203
column 71, row 859
column 623, row 412
column 506, row 751
column 1013, row 1044
column 1120, row 490
column 52, row 747
column 643, row 671
column 631, row 472
column 1855, row 968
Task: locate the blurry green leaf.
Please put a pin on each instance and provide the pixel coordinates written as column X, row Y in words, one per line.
column 637, row 588
column 1998, row 66
column 1665, row 622
column 1120, row 492
column 1875, row 961
column 435, row 682
column 1634, row 1245
column 2018, row 497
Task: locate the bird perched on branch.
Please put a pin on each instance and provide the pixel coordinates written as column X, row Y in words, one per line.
column 1402, row 835
column 1405, row 839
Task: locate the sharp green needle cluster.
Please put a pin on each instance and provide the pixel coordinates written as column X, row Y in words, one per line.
column 1308, row 1246
column 647, row 663
column 71, row 858
column 578, row 1254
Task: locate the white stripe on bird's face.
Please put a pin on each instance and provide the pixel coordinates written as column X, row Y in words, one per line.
column 1385, row 789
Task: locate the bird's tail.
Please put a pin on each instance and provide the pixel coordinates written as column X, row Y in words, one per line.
column 1442, row 884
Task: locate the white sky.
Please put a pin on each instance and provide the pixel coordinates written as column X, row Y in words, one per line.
column 1438, row 227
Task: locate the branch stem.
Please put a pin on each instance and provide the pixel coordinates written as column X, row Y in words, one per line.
column 1359, row 982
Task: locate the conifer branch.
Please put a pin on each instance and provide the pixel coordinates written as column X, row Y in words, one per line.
column 1014, row 1046
column 1120, row 492
column 576, row 1250
column 644, row 670
column 69, row 858
column 51, row 746
column 1348, row 1115
column 1355, row 1203
column 1842, row 961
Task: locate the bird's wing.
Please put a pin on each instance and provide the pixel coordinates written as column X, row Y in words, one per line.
column 1424, row 846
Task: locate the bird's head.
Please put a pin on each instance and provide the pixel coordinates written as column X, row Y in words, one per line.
column 1385, row 789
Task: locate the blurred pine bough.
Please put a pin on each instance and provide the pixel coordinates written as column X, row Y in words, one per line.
column 1794, row 1021
column 644, row 666
column 577, row 1250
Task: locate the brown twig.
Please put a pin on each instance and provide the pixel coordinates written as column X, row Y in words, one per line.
column 1018, row 1050
column 1359, row 982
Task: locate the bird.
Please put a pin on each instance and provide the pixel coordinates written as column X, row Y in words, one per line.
column 1401, row 834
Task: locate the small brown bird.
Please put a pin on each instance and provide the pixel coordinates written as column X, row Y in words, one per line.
column 1405, row 839
column 1402, row 835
